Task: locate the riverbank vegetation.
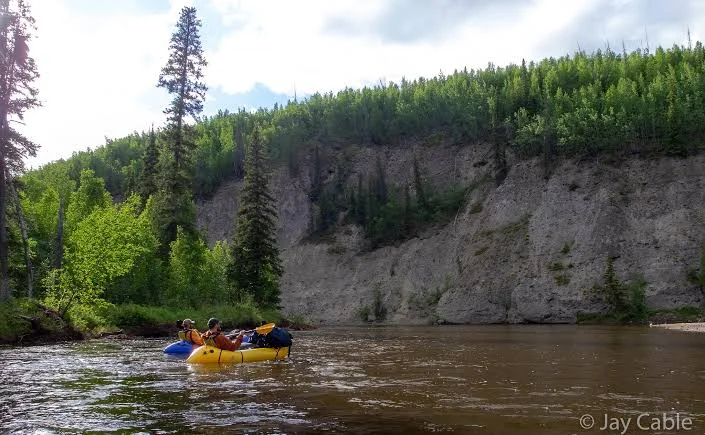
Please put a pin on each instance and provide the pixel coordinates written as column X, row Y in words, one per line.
column 108, row 239
column 625, row 301
column 93, row 261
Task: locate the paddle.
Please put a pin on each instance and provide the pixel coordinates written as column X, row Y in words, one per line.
column 264, row 330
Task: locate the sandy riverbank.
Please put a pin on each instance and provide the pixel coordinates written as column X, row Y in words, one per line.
column 687, row 327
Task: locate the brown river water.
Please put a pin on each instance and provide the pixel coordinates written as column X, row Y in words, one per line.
column 520, row 379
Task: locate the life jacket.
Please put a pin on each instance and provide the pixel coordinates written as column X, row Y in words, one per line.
column 208, row 338
column 188, row 335
column 211, row 339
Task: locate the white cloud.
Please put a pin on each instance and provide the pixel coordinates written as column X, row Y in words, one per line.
column 98, row 76
column 281, row 44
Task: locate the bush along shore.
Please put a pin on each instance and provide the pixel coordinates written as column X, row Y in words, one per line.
column 29, row 322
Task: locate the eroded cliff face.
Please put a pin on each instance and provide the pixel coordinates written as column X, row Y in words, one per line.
column 527, row 251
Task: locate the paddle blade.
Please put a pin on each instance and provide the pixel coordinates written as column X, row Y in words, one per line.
column 265, row 329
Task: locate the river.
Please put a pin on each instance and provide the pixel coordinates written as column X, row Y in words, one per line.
column 514, row 379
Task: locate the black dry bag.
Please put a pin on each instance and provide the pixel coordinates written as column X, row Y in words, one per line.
column 278, row 338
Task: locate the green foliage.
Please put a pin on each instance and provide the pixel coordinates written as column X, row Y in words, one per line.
column 678, row 315
column 105, row 246
column 427, row 300
column 364, row 313
column 186, row 271
column 421, row 202
column 566, row 248
column 130, row 317
column 387, row 213
column 181, row 77
column 150, row 160
column 636, row 309
column 18, row 71
column 25, row 319
column 556, row 266
column 698, row 276
column 613, row 290
column 476, row 208
column 480, row 251
column 511, row 229
column 91, row 195
column 88, row 318
column 169, row 211
column 562, row 279
column 256, row 266
column 14, row 325
column 378, row 308
column 626, row 301
column 579, row 105
column 198, row 275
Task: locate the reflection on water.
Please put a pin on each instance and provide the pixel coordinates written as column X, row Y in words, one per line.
column 463, row 379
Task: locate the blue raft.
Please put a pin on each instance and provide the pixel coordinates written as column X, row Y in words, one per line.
column 181, row 347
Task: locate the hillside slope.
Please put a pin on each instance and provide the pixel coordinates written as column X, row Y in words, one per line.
column 526, row 251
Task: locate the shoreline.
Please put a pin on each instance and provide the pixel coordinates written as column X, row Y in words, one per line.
column 168, row 330
column 684, row 327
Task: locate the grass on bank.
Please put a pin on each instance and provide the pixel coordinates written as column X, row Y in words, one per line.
column 28, row 318
column 685, row 314
column 137, row 317
column 25, row 317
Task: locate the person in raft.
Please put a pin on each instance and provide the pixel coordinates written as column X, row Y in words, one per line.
column 189, row 333
column 215, row 337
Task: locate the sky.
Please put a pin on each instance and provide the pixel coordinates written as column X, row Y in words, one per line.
column 99, row 60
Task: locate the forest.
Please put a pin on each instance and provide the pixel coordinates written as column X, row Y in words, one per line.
column 114, row 226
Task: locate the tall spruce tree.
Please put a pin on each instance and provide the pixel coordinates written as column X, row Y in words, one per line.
column 150, row 159
column 17, row 94
column 256, row 267
column 239, row 165
column 421, row 201
column 181, row 77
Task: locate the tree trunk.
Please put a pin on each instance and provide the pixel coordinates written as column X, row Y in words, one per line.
column 4, row 276
column 25, row 239
column 59, row 259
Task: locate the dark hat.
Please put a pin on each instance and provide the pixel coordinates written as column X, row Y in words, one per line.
column 212, row 322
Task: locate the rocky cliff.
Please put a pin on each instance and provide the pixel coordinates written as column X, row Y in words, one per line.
column 528, row 250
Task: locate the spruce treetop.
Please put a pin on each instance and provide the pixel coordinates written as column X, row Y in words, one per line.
column 18, row 71
column 182, row 73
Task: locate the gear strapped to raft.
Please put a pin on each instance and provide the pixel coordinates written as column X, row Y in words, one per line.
column 278, row 337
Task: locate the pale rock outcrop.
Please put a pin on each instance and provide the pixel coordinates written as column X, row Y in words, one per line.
column 528, row 250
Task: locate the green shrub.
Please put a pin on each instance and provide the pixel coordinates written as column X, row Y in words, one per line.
column 480, row 251
column 562, row 279
column 242, row 314
column 378, row 306
column 13, row 326
column 636, row 309
column 364, row 313
column 555, row 267
column 476, row 208
column 680, row 314
column 626, row 301
column 566, row 248
column 87, row 318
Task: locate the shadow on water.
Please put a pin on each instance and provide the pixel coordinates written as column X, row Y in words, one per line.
column 464, row 379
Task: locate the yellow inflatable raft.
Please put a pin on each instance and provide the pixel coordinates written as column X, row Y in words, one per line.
column 213, row 355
